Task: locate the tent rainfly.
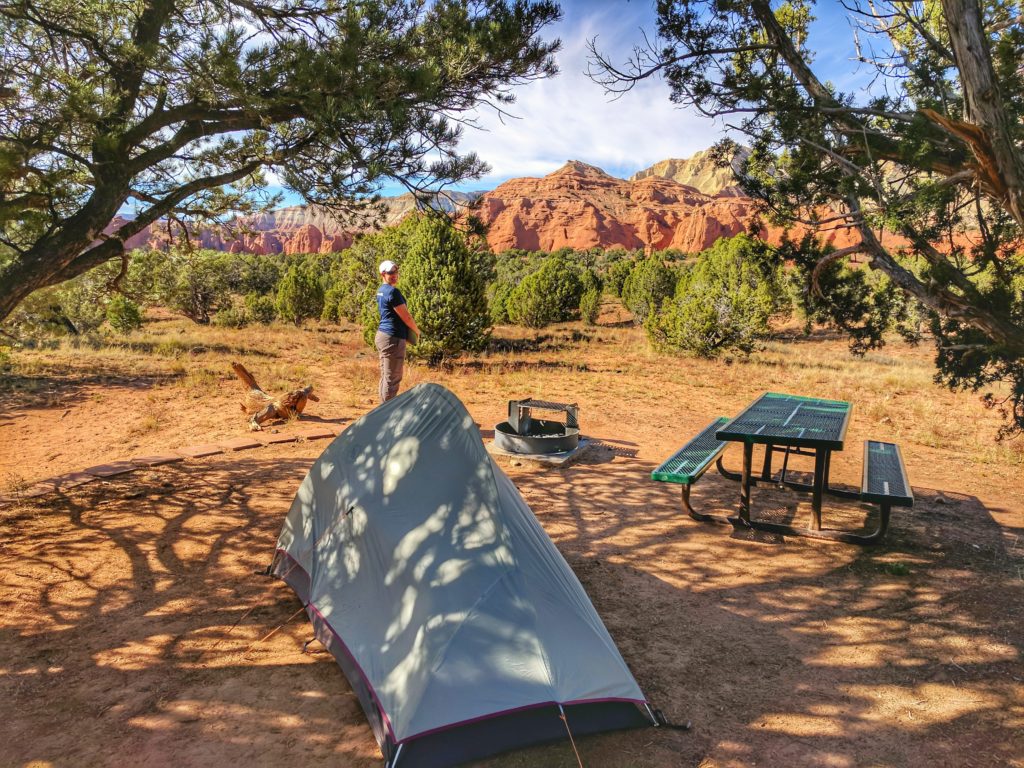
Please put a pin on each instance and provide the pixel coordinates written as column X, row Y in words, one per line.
column 460, row 627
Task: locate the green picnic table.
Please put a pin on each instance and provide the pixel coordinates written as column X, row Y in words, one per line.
column 791, row 425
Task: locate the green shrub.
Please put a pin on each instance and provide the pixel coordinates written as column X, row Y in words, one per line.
column 590, row 306
column 612, row 256
column 648, row 284
column 230, row 317
column 549, row 295
column 445, row 284
column 300, row 295
column 261, row 309
column 671, row 255
column 258, row 274
column 369, row 314
column 78, row 306
column 123, row 314
column 194, row 283
column 864, row 303
column 511, row 266
column 724, row 302
column 348, row 280
column 615, row 276
column 589, row 280
column 498, row 301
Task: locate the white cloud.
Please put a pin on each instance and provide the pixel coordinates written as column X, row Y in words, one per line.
column 569, row 117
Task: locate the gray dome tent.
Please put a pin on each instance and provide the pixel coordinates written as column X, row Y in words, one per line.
column 459, row 625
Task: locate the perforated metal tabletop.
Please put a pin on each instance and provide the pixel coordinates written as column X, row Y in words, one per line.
column 779, row 419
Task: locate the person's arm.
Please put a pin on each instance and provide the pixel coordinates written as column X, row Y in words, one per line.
column 403, row 312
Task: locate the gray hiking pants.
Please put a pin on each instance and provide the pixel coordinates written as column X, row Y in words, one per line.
column 392, row 364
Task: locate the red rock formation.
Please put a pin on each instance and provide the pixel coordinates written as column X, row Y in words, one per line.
column 306, row 239
column 580, row 206
column 262, row 243
column 336, row 243
column 138, row 240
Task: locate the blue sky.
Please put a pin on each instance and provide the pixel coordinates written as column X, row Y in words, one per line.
column 569, row 117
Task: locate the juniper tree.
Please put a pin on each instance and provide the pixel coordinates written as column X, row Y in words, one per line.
column 646, row 286
column 724, row 301
column 182, row 108
column 551, row 294
column 300, row 294
column 932, row 154
column 444, row 281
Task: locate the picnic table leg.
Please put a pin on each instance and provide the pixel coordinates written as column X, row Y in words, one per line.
column 766, row 468
column 820, row 473
column 748, row 457
column 726, row 473
column 704, row 517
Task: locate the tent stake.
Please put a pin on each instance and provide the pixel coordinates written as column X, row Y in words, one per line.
column 657, row 723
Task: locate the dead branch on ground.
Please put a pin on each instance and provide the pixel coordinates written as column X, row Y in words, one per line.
column 261, row 407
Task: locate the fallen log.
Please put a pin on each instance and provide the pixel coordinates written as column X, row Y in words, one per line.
column 261, row 407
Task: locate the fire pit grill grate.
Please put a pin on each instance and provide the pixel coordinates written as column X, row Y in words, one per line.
column 525, row 435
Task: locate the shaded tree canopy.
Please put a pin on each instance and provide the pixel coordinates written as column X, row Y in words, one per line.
column 932, row 153
column 183, row 107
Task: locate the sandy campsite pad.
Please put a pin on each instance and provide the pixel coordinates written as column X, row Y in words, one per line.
column 134, row 627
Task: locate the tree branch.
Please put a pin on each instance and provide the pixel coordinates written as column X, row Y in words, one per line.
column 171, row 201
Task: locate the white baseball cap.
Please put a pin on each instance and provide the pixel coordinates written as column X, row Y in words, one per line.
column 387, row 266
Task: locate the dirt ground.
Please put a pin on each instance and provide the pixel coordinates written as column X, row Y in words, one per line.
column 135, row 630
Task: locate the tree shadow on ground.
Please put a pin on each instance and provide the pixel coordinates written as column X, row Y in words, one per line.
column 787, row 651
column 48, row 391
column 133, row 623
column 513, row 365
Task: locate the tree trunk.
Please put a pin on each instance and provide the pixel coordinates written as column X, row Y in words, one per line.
column 984, row 104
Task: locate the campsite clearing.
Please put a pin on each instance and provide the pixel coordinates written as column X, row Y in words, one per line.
column 133, row 622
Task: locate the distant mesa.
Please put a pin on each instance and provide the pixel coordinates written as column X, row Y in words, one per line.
column 580, row 206
column 699, row 172
column 685, row 204
column 295, row 229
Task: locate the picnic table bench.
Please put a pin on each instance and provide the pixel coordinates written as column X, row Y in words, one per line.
column 884, row 482
column 691, row 461
column 792, row 425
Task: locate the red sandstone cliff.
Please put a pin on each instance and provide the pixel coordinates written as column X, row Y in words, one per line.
column 296, row 229
column 580, row 206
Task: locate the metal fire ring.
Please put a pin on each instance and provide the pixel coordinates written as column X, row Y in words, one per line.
column 523, row 434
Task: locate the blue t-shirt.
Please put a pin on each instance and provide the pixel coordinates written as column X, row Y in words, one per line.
column 389, row 297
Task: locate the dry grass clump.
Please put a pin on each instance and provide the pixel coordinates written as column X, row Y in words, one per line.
column 610, row 369
column 12, row 484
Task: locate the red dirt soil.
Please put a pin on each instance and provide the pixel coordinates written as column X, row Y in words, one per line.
column 135, row 630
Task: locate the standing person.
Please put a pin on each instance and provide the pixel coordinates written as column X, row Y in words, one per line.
column 393, row 331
